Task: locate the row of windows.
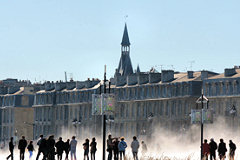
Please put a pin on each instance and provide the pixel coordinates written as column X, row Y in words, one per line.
column 42, row 129
column 144, row 109
column 43, row 113
column 7, row 115
column 7, row 100
column 63, row 112
column 6, row 133
column 222, row 88
column 155, row 91
column 64, row 97
column 223, row 106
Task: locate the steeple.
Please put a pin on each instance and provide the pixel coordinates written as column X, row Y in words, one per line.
column 138, row 69
column 125, row 38
column 125, row 64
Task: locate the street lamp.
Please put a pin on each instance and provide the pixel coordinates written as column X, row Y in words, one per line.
column 233, row 113
column 201, row 100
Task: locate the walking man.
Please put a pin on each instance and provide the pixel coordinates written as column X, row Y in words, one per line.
column 40, row 147
column 11, row 148
column 60, row 147
column 22, row 144
column 232, row 147
column 73, row 146
column 222, row 150
column 51, row 147
column 86, row 149
column 110, row 146
column 135, row 146
column 213, row 148
column 115, row 148
column 93, row 146
column 67, row 148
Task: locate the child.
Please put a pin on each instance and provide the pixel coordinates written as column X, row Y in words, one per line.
column 30, row 149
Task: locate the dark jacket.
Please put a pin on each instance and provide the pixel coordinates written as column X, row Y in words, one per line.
column 66, row 146
column 43, row 145
column 11, row 146
column 93, row 146
column 30, row 147
column 22, row 144
column 60, row 146
column 232, row 147
column 222, row 148
column 86, row 146
column 213, row 146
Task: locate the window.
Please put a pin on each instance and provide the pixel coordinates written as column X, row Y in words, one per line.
column 138, row 110
column 61, row 113
column 40, row 114
column 166, row 109
column 145, row 111
column 173, row 109
column 66, row 112
column 161, row 108
column 57, row 113
column 133, row 110
column 122, row 110
column 49, row 114
column 180, row 108
column 85, row 112
column 127, row 114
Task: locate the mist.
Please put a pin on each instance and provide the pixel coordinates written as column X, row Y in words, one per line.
column 162, row 145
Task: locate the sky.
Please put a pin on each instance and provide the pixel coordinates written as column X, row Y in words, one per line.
column 41, row 39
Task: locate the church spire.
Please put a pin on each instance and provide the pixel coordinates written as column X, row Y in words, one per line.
column 125, row 64
column 125, row 38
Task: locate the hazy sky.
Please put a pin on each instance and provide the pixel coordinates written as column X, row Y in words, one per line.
column 40, row 39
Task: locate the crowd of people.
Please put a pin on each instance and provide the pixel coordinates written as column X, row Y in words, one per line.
column 49, row 148
column 116, row 148
column 209, row 149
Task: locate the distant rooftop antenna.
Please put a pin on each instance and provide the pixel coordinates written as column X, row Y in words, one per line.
column 65, row 76
column 191, row 64
column 125, row 17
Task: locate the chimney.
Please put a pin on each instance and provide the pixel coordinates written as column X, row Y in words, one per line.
column 132, row 79
column 142, row 78
column 154, row 77
column 49, row 86
column 167, row 75
column 204, row 75
column 190, row 74
column 60, row 86
column 228, row 72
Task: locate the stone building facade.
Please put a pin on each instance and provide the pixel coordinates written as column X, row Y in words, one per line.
column 223, row 92
column 16, row 114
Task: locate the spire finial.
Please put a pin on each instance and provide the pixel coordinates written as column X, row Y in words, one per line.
column 125, row 17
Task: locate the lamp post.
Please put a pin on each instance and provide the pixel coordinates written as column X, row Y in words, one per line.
column 202, row 99
column 104, row 116
column 233, row 113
